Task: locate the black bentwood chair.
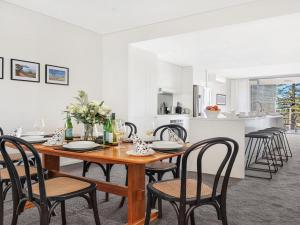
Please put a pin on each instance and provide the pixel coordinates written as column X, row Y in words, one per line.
column 46, row 195
column 161, row 167
column 107, row 167
column 185, row 195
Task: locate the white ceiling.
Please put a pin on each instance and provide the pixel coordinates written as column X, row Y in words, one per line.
column 256, row 44
column 105, row 16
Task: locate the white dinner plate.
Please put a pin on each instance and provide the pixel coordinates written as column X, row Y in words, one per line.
column 81, row 145
column 134, row 153
column 34, row 133
column 165, row 145
column 35, row 139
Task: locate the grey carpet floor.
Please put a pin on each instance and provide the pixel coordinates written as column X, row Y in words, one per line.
column 250, row 201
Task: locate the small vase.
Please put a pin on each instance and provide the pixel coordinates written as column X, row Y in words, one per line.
column 88, row 132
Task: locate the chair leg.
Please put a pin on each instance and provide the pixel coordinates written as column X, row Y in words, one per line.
column 44, row 215
column 63, row 212
column 149, row 207
column 223, row 214
column 93, row 196
column 108, row 168
column 192, row 217
column 159, row 201
column 84, row 168
column 1, row 204
column 15, row 213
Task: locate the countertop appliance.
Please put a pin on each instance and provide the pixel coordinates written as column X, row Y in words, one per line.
column 201, row 99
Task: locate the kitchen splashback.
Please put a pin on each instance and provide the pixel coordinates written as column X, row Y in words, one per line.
column 164, row 98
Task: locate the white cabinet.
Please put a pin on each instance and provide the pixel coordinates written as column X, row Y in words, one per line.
column 169, row 76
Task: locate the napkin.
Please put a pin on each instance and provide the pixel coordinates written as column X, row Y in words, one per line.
column 174, row 137
column 58, row 137
column 140, row 146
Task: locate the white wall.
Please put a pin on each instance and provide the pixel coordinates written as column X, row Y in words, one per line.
column 30, row 36
column 143, row 88
column 115, row 45
column 203, row 78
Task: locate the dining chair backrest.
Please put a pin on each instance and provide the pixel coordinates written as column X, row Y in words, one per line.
column 229, row 146
column 18, row 190
column 1, row 131
column 132, row 128
column 177, row 129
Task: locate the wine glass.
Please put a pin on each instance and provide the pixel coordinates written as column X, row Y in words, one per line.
column 39, row 125
column 120, row 131
column 149, row 131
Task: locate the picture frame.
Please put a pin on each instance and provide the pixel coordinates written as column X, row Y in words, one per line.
column 56, row 75
column 22, row 70
column 1, row 67
column 221, row 99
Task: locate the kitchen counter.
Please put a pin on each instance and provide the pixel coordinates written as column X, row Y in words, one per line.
column 174, row 115
column 235, row 128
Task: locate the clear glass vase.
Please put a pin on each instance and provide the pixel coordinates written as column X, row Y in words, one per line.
column 88, row 132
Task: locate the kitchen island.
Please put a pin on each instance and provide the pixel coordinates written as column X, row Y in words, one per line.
column 235, row 128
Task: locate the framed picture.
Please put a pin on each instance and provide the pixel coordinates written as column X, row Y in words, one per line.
column 25, row 70
column 1, row 67
column 221, row 99
column 57, row 75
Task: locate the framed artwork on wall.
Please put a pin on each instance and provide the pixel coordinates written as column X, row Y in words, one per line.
column 25, row 70
column 57, row 75
column 220, row 99
column 1, row 67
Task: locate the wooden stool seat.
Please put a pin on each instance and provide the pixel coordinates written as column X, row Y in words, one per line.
column 4, row 175
column 61, row 186
column 172, row 188
column 164, row 166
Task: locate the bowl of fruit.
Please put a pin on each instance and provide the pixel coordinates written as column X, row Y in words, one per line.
column 212, row 111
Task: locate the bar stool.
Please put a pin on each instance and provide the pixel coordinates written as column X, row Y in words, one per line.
column 260, row 144
column 280, row 142
column 285, row 140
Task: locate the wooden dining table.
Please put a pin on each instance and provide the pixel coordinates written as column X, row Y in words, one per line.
column 135, row 191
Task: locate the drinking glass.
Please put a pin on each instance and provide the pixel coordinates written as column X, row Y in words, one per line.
column 120, row 131
column 39, row 124
column 149, row 131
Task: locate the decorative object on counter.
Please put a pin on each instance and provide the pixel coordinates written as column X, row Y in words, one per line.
column 212, row 112
column 1, row 67
column 25, row 70
column 57, row 139
column 221, row 99
column 56, row 75
column 178, row 109
column 174, row 137
column 88, row 113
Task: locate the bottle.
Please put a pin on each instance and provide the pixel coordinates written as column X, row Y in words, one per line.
column 107, row 132
column 69, row 128
column 114, row 127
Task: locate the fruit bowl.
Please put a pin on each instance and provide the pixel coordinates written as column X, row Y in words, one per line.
column 212, row 112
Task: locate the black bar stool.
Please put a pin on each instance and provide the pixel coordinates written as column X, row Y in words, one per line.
column 285, row 140
column 260, row 145
column 280, row 142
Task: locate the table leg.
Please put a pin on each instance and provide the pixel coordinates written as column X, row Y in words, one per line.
column 136, row 194
column 51, row 162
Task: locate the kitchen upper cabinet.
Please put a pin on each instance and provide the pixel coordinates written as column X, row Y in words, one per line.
column 187, row 80
column 169, row 76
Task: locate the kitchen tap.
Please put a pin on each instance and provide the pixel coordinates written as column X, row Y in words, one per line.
column 260, row 105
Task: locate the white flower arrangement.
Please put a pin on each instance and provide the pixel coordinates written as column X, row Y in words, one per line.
column 86, row 112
